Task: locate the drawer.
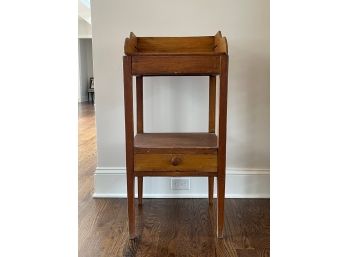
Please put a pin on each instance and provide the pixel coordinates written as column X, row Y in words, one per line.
column 178, row 65
column 175, row 162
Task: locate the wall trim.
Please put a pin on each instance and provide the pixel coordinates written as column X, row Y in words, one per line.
column 110, row 182
column 97, row 195
column 83, row 99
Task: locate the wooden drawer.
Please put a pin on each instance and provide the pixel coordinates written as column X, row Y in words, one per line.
column 175, row 162
column 175, row 65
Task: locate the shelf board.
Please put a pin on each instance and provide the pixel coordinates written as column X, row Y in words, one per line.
column 175, row 143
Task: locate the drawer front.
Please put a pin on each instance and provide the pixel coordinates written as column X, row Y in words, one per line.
column 175, row 65
column 175, row 162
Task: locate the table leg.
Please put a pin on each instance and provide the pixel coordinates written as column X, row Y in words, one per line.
column 129, row 128
column 222, row 146
column 211, row 189
column 140, row 190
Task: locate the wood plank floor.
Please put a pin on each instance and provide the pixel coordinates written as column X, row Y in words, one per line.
column 166, row 227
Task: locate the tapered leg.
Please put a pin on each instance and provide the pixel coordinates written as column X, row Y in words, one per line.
column 211, row 189
column 140, row 190
column 222, row 146
column 131, row 211
column 129, row 128
column 220, row 205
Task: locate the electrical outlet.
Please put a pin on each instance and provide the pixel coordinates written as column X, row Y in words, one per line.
column 180, row 183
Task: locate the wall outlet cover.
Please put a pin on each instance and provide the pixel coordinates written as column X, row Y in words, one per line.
column 180, row 183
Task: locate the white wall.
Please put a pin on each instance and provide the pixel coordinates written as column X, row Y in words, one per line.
column 181, row 103
column 85, row 67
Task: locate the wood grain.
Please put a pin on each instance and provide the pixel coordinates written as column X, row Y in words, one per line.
column 222, row 145
column 130, row 44
column 129, row 129
column 140, row 105
column 140, row 190
column 175, row 143
column 166, row 227
column 211, row 189
column 212, row 103
column 220, row 44
column 175, row 173
column 175, row 162
column 201, row 45
column 175, row 44
column 173, row 56
column 175, row 65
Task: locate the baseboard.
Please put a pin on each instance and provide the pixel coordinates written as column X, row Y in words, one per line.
column 83, row 99
column 154, row 196
column 110, row 182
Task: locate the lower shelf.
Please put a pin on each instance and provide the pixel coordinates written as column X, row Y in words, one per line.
column 175, row 142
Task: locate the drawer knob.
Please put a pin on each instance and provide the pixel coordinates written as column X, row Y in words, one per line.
column 175, row 161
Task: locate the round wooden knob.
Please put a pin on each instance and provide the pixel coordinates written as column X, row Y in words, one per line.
column 175, row 161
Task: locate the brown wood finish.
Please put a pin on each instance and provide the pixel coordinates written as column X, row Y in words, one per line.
column 140, row 111
column 211, row 189
column 140, row 190
column 220, row 43
column 140, row 127
column 175, row 65
column 129, row 127
column 175, row 154
column 199, row 45
column 175, row 143
column 175, row 162
column 166, row 227
column 175, row 173
column 130, row 44
column 212, row 103
column 155, row 45
column 222, row 146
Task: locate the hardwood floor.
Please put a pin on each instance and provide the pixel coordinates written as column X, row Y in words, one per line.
column 166, row 227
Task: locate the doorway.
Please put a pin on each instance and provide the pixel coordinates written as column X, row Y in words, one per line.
column 86, row 78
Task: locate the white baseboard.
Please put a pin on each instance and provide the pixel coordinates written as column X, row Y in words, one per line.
column 83, row 99
column 96, row 195
column 110, row 182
